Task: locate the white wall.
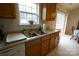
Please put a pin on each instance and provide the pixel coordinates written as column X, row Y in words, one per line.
column 61, row 8
column 73, row 19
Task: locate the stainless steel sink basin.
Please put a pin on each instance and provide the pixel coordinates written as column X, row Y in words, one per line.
column 33, row 34
column 30, row 34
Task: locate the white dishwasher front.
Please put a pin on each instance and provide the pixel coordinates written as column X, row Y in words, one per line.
column 18, row 50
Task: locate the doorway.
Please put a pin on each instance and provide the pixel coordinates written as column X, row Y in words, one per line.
column 61, row 20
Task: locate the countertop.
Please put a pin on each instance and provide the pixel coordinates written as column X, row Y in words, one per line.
column 4, row 45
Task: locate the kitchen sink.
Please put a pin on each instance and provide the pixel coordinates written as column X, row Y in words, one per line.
column 30, row 34
column 33, row 34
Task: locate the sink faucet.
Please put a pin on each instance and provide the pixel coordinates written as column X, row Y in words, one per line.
column 23, row 30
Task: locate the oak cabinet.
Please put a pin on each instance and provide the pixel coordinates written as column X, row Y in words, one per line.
column 45, row 45
column 44, row 38
column 48, row 11
column 56, row 38
column 33, row 47
column 42, row 45
column 52, row 41
column 33, row 50
column 7, row 10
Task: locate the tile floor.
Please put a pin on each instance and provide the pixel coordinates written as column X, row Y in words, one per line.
column 66, row 47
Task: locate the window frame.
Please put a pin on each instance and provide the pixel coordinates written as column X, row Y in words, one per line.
column 37, row 14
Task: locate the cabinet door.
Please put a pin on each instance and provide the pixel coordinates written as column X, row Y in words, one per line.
column 33, row 50
column 52, row 41
column 44, row 38
column 7, row 10
column 50, row 11
column 12, row 10
column 4, row 10
column 33, row 47
column 44, row 47
column 56, row 38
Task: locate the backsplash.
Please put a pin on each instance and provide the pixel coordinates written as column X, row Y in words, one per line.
column 12, row 25
column 49, row 25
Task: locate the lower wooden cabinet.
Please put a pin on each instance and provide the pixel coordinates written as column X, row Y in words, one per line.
column 33, row 50
column 56, row 38
column 52, row 41
column 41, row 46
column 33, row 47
column 45, row 47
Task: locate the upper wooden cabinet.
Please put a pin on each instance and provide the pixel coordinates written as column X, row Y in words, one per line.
column 7, row 10
column 48, row 11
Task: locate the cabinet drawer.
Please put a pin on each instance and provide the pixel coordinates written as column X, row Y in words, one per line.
column 53, row 34
column 32, row 42
column 57, row 33
column 45, row 38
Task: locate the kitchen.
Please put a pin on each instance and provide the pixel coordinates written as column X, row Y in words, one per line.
column 27, row 30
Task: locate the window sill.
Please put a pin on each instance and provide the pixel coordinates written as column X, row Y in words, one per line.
column 28, row 24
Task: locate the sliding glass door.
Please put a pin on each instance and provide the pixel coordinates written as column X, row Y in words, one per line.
column 61, row 21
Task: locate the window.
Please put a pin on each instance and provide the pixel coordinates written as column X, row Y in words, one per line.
column 29, row 12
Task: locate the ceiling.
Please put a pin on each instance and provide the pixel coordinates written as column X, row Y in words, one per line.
column 69, row 6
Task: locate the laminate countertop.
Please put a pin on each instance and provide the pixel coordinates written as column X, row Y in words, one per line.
column 5, row 45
